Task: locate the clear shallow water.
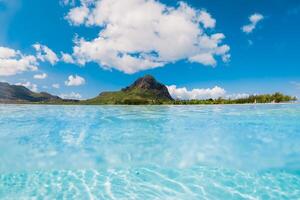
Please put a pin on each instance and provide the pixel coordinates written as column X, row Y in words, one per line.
column 150, row 152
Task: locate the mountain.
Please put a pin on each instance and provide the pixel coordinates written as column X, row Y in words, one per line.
column 20, row 94
column 145, row 90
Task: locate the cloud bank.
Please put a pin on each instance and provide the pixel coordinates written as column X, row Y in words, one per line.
column 185, row 94
column 200, row 93
column 138, row 35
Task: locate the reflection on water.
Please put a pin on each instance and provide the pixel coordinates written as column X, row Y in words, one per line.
column 150, row 152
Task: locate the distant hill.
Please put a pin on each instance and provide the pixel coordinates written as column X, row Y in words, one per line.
column 145, row 90
column 20, row 94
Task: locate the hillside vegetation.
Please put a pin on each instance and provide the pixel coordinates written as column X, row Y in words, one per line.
column 264, row 98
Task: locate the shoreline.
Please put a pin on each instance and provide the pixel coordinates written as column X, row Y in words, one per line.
column 123, row 105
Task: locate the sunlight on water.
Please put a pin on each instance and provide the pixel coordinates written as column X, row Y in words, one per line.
column 150, row 152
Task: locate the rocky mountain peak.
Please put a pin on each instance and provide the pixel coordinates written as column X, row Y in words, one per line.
column 148, row 83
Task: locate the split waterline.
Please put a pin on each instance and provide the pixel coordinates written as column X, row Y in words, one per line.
column 150, row 152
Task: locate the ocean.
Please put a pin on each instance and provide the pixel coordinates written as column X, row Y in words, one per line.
column 218, row 152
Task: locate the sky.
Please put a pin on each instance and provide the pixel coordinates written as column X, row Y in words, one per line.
column 198, row 48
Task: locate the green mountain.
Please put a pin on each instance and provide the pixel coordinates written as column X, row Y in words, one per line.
column 20, row 94
column 145, row 90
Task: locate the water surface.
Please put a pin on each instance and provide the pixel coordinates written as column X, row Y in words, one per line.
column 150, row 152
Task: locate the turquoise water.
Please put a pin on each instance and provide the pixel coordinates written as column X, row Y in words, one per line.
column 150, row 152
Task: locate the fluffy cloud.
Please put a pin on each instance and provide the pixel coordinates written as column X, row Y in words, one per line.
column 207, row 20
column 67, row 58
column 44, row 54
column 33, row 87
column 254, row 19
column 40, row 76
column 78, row 15
column 72, row 95
column 75, row 81
column 7, row 53
column 143, row 34
column 13, row 62
column 183, row 93
column 208, row 93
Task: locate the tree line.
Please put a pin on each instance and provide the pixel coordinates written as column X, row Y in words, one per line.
column 263, row 98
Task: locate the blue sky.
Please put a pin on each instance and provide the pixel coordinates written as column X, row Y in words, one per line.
column 263, row 61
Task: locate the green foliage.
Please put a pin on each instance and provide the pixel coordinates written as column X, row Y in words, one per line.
column 132, row 97
column 265, row 98
column 140, row 97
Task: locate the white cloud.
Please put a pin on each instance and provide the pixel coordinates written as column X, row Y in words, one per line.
column 56, row 85
column 40, row 76
column 33, row 87
column 207, row 20
column 205, row 59
column 78, row 15
column 143, row 34
column 6, row 53
column 254, row 19
column 67, row 58
column 200, row 93
column 72, row 95
column 75, row 81
column 44, row 54
column 183, row 93
column 13, row 62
